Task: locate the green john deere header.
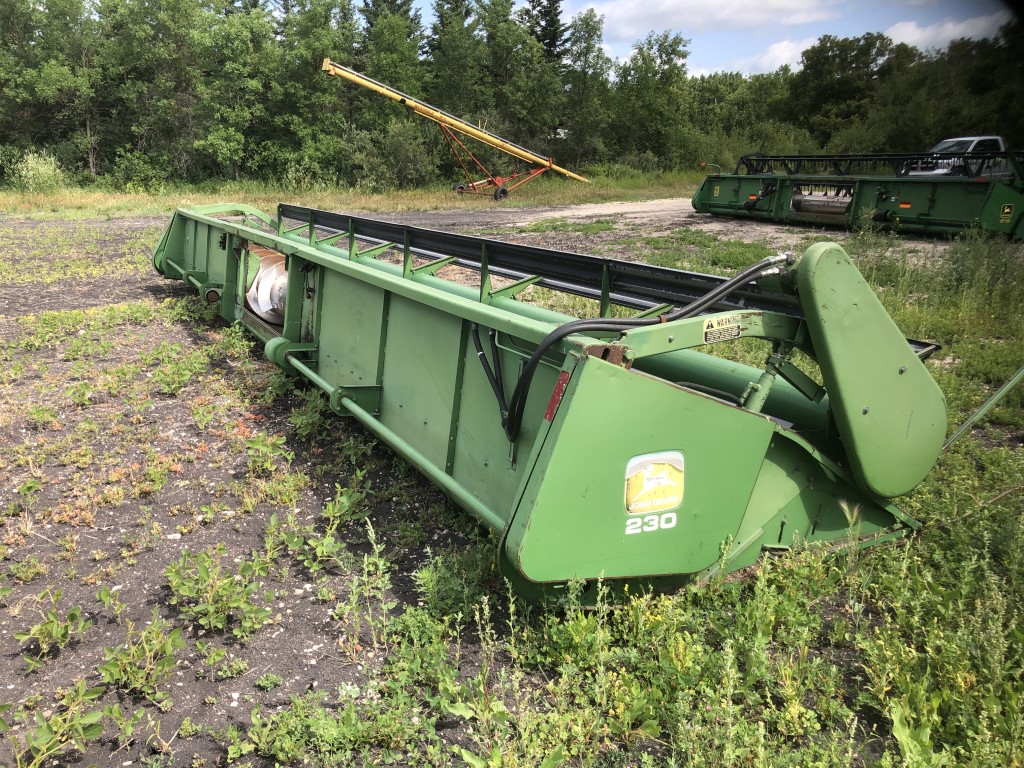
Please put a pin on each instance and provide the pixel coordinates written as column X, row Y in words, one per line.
column 895, row 191
column 600, row 448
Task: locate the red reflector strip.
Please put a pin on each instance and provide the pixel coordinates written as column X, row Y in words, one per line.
column 556, row 395
column 904, row 205
column 751, row 197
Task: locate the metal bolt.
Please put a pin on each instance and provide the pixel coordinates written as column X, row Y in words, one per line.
column 903, row 369
column 671, row 339
column 865, row 411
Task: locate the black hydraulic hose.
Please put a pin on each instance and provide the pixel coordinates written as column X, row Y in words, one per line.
column 496, row 357
column 715, row 295
column 495, row 383
column 517, row 403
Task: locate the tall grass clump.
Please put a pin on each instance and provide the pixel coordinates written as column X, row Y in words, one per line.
column 986, row 273
column 38, row 172
column 967, row 295
column 942, row 657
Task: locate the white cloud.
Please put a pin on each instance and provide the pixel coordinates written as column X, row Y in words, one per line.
column 940, row 34
column 631, row 20
column 773, row 57
column 927, row 37
column 782, row 52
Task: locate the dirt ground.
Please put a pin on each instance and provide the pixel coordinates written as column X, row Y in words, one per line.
column 650, row 217
column 110, row 477
column 125, row 441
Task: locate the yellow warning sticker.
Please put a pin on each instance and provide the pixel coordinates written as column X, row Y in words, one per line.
column 654, row 482
column 717, row 190
column 1006, row 213
column 721, row 329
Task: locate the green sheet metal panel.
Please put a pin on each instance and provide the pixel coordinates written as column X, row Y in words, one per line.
column 732, row 377
column 195, row 251
column 728, row 195
column 482, row 458
column 800, row 496
column 1005, row 211
column 351, row 320
column 197, row 235
column 939, row 204
column 170, row 245
column 572, row 521
column 421, row 371
column 890, row 412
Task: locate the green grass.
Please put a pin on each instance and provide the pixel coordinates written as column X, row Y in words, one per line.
column 968, row 298
column 702, row 252
column 910, row 654
column 75, row 203
column 77, row 253
column 561, row 225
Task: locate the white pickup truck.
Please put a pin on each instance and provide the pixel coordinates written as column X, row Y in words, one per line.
column 963, row 156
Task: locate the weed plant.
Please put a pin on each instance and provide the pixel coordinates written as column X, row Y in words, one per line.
column 53, row 631
column 310, row 417
column 349, row 503
column 207, row 592
column 145, row 660
column 910, row 654
column 969, row 298
column 451, row 583
column 76, row 722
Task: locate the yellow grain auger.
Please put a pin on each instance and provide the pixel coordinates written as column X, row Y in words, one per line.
column 452, row 127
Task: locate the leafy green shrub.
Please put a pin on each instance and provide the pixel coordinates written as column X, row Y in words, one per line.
column 9, row 157
column 136, row 171
column 401, row 160
column 315, row 552
column 206, row 592
column 30, row 568
column 308, row 732
column 451, row 583
column 317, row 161
column 38, row 172
column 144, row 660
column 268, row 681
column 308, row 417
column 264, row 452
column 348, row 503
column 418, row 657
column 68, row 729
column 231, row 669
column 54, row 632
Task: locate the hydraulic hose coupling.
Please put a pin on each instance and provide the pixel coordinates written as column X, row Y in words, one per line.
column 783, row 257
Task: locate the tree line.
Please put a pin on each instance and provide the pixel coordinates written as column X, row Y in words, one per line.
column 135, row 93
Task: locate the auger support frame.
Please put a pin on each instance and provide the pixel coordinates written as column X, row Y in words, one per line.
column 638, row 458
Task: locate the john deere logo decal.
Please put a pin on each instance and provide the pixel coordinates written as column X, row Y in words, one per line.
column 654, row 482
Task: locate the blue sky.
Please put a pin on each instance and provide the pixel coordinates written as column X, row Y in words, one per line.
column 751, row 36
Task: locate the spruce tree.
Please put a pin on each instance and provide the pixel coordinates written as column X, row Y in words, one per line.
column 372, row 10
column 456, row 59
column 543, row 19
